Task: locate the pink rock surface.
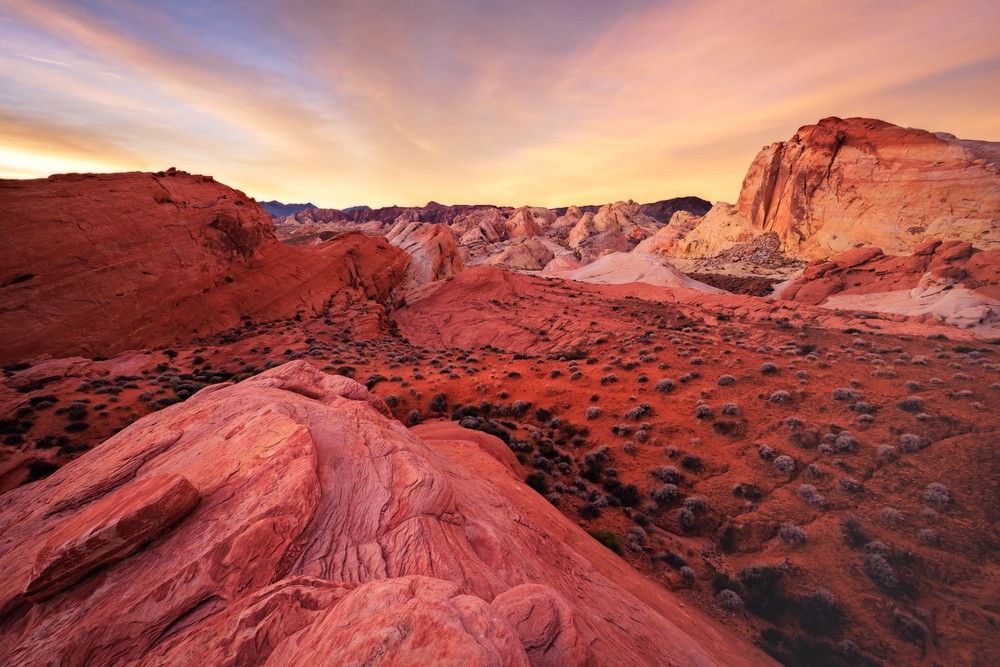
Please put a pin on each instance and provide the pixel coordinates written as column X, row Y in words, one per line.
column 108, row 531
column 409, row 620
column 318, row 511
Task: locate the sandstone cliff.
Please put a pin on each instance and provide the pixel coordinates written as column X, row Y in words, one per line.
column 842, row 183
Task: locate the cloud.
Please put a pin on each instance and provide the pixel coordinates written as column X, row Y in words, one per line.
column 508, row 102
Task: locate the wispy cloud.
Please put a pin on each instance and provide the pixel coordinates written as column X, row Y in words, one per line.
column 473, row 100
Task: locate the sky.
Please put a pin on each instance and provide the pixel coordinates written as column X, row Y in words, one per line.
column 504, row 102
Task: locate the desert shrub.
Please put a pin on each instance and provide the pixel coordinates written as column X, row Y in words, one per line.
column 762, row 591
column 937, row 495
column 413, row 417
column 863, row 408
column 854, row 531
column 702, row 410
column 636, row 538
column 729, row 600
column 818, row 613
column 730, row 409
column 668, row 474
column 780, row 396
column 590, row 510
column 539, row 481
column 593, row 412
column 879, row 571
column 726, row 380
column 845, row 442
column 686, row 520
column 910, row 443
column 845, row 394
column 673, row 559
column 516, row 409
column 691, row 462
column 636, row 413
column 439, row 403
column 850, row 485
column 911, row 628
column 766, row 452
column 792, row 534
column 608, row 539
column 768, row 368
column 927, row 535
column 911, row 404
column 687, row 573
column 696, row 504
column 629, row 446
column 39, row 469
column 891, row 516
column 609, row 378
column 664, row 385
column 887, row 452
column 785, row 463
column 811, row 495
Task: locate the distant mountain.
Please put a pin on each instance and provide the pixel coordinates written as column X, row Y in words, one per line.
column 352, row 209
column 276, row 209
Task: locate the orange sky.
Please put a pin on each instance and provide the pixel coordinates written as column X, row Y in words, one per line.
column 475, row 101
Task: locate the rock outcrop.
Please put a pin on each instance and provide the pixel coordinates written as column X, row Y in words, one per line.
column 300, row 524
column 527, row 255
column 721, row 229
column 843, row 183
column 96, row 264
column 614, row 228
column 432, row 249
column 950, row 280
column 528, row 221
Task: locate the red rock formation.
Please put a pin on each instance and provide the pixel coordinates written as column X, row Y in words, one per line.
column 97, row 264
column 527, row 255
column 842, row 183
column 614, row 228
column 432, row 250
column 325, row 531
column 528, row 221
column 949, row 279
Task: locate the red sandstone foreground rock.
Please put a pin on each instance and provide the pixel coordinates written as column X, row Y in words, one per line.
column 294, row 522
column 97, row 264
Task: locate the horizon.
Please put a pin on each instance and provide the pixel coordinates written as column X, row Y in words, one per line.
column 375, row 104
